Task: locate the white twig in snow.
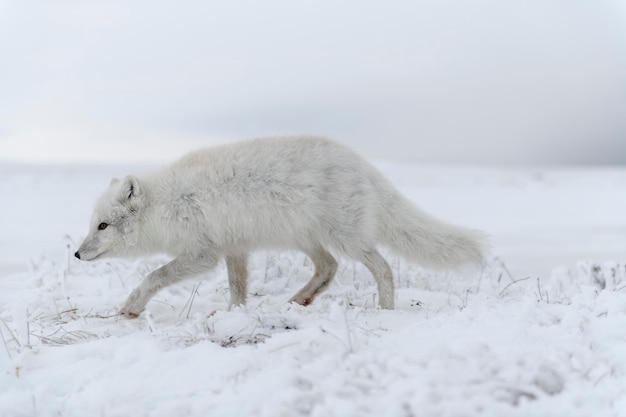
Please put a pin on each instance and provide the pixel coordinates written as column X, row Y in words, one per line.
column 27, row 328
column 150, row 322
column 12, row 337
column 68, row 259
column 347, row 328
column 4, row 341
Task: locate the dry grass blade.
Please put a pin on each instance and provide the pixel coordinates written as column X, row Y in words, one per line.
column 100, row 316
column 60, row 316
column 6, row 345
column 190, row 300
column 512, row 283
column 62, row 337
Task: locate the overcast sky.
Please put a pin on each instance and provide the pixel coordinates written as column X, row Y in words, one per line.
column 481, row 81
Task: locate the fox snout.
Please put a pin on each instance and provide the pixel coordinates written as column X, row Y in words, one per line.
column 89, row 250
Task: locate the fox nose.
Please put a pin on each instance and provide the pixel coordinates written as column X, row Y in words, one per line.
column 77, row 255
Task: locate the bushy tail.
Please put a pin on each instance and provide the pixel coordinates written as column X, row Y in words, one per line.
column 423, row 238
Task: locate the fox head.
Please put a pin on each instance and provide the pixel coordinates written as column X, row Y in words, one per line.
column 114, row 228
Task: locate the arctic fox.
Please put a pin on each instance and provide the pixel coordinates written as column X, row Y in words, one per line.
column 303, row 193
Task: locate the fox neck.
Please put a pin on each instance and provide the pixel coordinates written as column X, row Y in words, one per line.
column 157, row 232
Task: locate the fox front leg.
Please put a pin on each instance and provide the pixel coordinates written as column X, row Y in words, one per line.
column 182, row 267
column 237, row 267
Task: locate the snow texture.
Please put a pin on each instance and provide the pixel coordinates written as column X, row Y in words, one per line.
column 541, row 331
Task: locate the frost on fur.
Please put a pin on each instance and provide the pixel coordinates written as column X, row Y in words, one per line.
column 302, row 193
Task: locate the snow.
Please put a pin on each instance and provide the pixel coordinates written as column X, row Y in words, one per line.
column 541, row 331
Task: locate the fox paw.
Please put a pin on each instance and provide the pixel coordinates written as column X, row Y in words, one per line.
column 129, row 314
column 303, row 300
column 133, row 306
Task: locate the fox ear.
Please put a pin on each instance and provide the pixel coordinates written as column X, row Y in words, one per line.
column 130, row 190
column 114, row 181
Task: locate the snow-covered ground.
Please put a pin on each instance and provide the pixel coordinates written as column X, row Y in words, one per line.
column 541, row 332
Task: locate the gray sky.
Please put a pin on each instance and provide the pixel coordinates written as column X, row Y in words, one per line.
column 496, row 81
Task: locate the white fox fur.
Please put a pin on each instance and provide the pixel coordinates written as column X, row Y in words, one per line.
column 303, row 193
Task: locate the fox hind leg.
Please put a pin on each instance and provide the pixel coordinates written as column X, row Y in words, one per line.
column 325, row 268
column 380, row 269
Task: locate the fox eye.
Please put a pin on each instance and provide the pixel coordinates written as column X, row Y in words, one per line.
column 102, row 226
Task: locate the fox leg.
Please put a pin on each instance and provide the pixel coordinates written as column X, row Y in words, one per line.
column 380, row 269
column 237, row 267
column 325, row 268
column 182, row 267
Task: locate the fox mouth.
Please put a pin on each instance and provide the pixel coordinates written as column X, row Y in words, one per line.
column 96, row 257
column 82, row 257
